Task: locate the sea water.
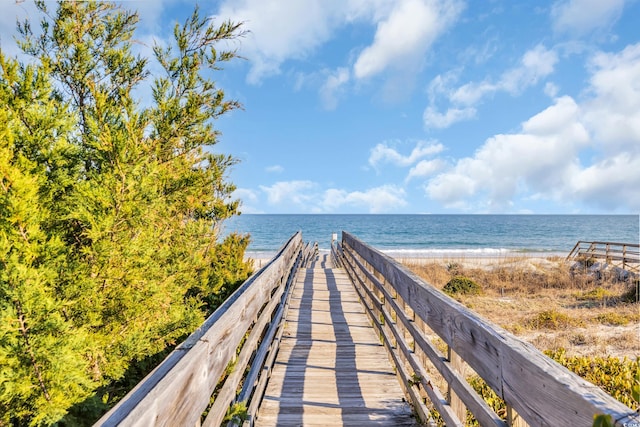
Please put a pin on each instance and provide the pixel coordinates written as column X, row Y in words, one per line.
column 409, row 236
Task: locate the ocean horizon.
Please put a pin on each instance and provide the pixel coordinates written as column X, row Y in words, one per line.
column 438, row 235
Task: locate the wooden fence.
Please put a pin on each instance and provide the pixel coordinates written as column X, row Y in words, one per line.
column 623, row 255
column 243, row 332
column 408, row 313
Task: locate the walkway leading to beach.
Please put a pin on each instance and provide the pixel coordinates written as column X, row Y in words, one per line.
column 331, row 368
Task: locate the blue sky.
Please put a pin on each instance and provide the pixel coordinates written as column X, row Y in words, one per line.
column 424, row 106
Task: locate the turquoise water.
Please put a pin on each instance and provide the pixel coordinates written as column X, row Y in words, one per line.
column 439, row 235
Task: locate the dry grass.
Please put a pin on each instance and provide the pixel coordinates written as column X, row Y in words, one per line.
column 543, row 302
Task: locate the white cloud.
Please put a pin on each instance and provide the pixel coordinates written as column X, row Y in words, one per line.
column 554, row 120
column 585, row 154
column 610, row 184
column 274, row 169
column 382, row 153
column 425, row 168
column 613, row 114
column 281, row 30
column 307, row 196
column 289, row 192
column 535, row 65
column 434, row 119
column 406, row 34
column 249, row 199
column 245, row 194
column 451, row 189
column 542, row 157
column 333, row 86
column 441, row 84
column 551, row 89
column 471, row 93
column 293, row 30
column 387, row 198
column 579, row 17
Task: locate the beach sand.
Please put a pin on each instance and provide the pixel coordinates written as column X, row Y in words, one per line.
column 532, row 260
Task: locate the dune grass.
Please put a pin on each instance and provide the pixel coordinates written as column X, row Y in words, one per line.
column 546, row 302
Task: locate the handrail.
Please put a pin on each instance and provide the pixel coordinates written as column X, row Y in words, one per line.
column 537, row 390
column 178, row 391
column 623, row 255
column 336, row 254
column 309, row 254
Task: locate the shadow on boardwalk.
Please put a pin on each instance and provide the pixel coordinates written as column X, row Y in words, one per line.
column 331, row 369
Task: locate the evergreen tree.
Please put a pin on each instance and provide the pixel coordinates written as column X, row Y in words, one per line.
column 42, row 356
column 110, row 211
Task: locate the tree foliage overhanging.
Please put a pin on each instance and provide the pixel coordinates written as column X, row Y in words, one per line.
column 109, row 208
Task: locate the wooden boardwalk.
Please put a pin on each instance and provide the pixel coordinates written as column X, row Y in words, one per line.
column 331, row 369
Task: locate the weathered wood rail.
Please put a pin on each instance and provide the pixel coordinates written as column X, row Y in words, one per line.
column 408, row 313
column 241, row 334
column 231, row 356
column 622, row 255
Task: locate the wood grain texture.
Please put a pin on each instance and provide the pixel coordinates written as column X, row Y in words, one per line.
column 542, row 391
column 331, row 368
column 483, row 413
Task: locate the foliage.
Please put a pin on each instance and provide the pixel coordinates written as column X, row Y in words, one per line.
column 603, row 420
column 237, row 413
column 619, row 378
column 597, row 294
column 552, row 319
column 109, row 211
column 494, row 401
column 614, row 319
column 462, row 285
column 227, row 271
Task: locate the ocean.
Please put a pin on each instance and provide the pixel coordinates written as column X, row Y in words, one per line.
column 414, row 236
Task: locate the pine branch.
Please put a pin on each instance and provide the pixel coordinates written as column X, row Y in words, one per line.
column 24, row 331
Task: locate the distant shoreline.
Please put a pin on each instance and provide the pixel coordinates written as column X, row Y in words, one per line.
column 462, row 256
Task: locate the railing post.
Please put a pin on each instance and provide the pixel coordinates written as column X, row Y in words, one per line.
column 457, row 405
column 513, row 419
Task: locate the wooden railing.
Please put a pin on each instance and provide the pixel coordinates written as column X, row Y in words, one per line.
column 623, row 255
column 243, row 332
column 409, row 314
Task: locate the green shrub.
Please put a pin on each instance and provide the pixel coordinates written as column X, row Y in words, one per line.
column 462, row 285
column 619, row 378
column 613, row 319
column 597, row 294
column 552, row 319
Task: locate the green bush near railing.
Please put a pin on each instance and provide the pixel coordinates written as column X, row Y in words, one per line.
column 462, row 285
column 618, row 377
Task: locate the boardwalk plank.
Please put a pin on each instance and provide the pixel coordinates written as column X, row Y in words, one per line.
column 331, row 368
